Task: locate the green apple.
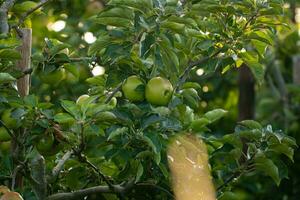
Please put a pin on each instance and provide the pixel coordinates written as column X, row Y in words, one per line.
column 5, row 146
column 8, row 120
column 159, row 91
column 45, row 143
column 81, row 99
column 54, row 77
column 4, row 135
column 131, row 91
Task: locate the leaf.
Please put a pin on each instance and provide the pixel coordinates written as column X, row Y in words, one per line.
column 194, row 85
column 146, row 42
column 251, row 124
column 31, row 101
column 200, row 124
column 173, row 26
column 139, row 173
column 251, row 59
column 71, row 108
column 6, row 78
column 117, row 132
column 101, row 43
column 150, row 120
column 114, row 21
column 10, row 54
column 120, row 12
column 215, row 115
column 63, row 118
column 268, row 167
column 284, row 149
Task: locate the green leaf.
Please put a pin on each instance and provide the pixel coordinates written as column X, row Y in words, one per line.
column 6, row 78
column 63, row 118
column 251, row 124
column 200, row 124
column 10, row 54
column 101, row 43
column 252, row 60
column 194, row 85
column 71, row 108
column 267, row 166
column 215, row 115
column 139, row 173
column 173, row 26
column 284, row 149
column 117, row 132
column 121, row 12
column 31, row 101
column 114, row 21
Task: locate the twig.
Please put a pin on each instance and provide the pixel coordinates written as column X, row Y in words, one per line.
column 57, row 169
column 84, row 159
column 81, row 59
column 186, row 72
column 118, row 189
column 112, row 94
column 29, row 12
column 250, row 20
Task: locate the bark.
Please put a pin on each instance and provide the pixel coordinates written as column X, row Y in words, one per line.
column 24, row 64
column 246, row 104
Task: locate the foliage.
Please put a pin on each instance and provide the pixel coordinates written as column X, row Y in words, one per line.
column 124, row 146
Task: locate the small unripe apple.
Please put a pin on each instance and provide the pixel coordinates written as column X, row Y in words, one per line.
column 159, row 91
column 133, row 89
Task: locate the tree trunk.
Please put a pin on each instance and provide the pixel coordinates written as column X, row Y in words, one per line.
column 246, row 104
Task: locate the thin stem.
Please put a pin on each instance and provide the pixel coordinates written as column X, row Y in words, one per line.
column 112, row 94
column 29, row 12
column 190, row 66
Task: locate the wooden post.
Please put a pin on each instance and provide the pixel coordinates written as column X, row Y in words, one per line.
column 24, row 64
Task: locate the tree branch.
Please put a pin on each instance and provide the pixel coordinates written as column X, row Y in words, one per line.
column 57, row 169
column 118, row 189
column 29, row 12
column 188, row 69
column 6, row 5
column 112, row 94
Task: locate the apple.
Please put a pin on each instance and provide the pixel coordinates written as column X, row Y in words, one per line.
column 5, row 146
column 131, row 91
column 45, row 143
column 8, row 120
column 82, row 99
column 54, row 77
column 11, row 196
column 159, row 91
